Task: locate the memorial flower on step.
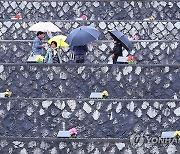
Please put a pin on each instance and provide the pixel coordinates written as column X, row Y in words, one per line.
column 105, row 94
column 39, row 59
column 18, row 16
column 73, row 132
column 7, row 93
column 135, row 37
column 177, row 134
column 130, row 60
column 151, row 18
column 84, row 17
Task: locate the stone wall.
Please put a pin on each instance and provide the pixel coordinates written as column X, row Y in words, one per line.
column 145, row 52
column 144, row 99
column 146, row 30
column 98, row 10
column 81, row 146
column 78, row 81
column 114, row 118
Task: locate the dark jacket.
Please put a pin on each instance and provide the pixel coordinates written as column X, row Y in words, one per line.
column 80, row 50
column 117, row 50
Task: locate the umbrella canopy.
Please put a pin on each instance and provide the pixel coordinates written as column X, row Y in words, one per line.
column 116, row 35
column 44, row 27
column 82, row 36
column 60, row 39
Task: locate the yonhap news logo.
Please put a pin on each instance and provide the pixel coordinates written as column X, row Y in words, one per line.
column 138, row 140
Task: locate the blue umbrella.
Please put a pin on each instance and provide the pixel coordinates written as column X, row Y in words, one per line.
column 116, row 35
column 82, row 36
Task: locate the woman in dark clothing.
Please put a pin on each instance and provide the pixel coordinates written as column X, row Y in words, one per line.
column 117, row 51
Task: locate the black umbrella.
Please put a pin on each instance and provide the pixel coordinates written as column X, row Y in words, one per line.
column 116, row 35
column 82, row 36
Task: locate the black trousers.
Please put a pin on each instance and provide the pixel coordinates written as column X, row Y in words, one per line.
column 115, row 59
column 79, row 58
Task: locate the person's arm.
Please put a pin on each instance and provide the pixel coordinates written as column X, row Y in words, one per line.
column 117, row 49
column 59, row 50
column 113, row 50
column 59, row 56
column 86, row 48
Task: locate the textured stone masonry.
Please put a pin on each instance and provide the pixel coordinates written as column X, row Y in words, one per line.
column 48, row 98
column 78, row 81
column 146, row 30
column 145, row 52
column 81, row 146
column 98, row 10
column 114, row 118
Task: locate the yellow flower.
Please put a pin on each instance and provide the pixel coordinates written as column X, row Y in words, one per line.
column 151, row 18
column 39, row 59
column 177, row 134
column 105, row 93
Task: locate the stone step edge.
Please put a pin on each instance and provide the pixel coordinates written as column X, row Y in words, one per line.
column 97, row 41
column 66, row 139
column 87, row 99
column 86, row 21
column 88, row 0
column 80, row 65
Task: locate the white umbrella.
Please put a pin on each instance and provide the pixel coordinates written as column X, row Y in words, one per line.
column 44, row 27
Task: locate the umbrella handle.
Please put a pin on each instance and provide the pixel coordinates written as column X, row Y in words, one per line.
column 61, row 50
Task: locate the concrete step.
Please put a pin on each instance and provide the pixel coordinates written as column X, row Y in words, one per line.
column 100, row 10
column 82, row 146
column 144, row 52
column 93, row 118
column 146, row 30
column 79, row 80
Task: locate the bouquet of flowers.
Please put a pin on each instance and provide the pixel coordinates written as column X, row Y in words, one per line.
column 18, row 16
column 39, row 59
column 151, row 18
column 177, row 134
column 130, row 60
column 8, row 93
column 73, row 132
column 135, row 37
column 84, row 17
column 105, row 94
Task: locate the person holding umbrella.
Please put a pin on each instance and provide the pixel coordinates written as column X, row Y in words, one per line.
column 117, row 51
column 78, row 40
column 41, row 28
column 57, row 43
column 79, row 53
column 53, row 54
column 120, row 41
